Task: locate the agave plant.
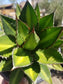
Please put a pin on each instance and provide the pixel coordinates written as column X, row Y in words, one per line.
column 29, row 45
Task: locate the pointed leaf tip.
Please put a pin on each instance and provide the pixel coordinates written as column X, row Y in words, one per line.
column 46, row 21
column 37, row 10
column 9, row 25
column 28, row 15
column 49, row 57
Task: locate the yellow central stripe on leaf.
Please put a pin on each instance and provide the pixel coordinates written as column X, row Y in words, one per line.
column 47, row 79
column 3, row 47
column 31, row 73
column 20, row 60
column 42, row 56
column 58, row 67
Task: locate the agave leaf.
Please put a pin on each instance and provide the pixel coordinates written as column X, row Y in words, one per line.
column 16, row 76
column 45, row 73
column 46, row 21
column 61, row 35
column 48, row 37
column 49, row 56
column 9, row 25
column 5, row 65
column 23, row 32
column 1, row 27
column 56, row 67
column 37, row 10
column 6, row 53
column 21, row 58
column 12, row 38
column 58, row 43
column 18, row 10
column 2, row 33
column 32, row 41
column 28, row 15
column 5, row 43
column 32, row 71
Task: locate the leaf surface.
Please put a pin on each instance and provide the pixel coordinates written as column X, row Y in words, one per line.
column 21, row 57
column 48, row 37
column 16, row 76
column 5, row 43
column 5, row 65
column 9, row 25
column 23, row 32
column 6, row 53
column 46, row 21
column 18, row 10
column 28, row 15
column 37, row 10
column 32, row 71
column 31, row 42
column 1, row 33
column 49, row 56
column 56, row 67
column 58, row 43
column 45, row 73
